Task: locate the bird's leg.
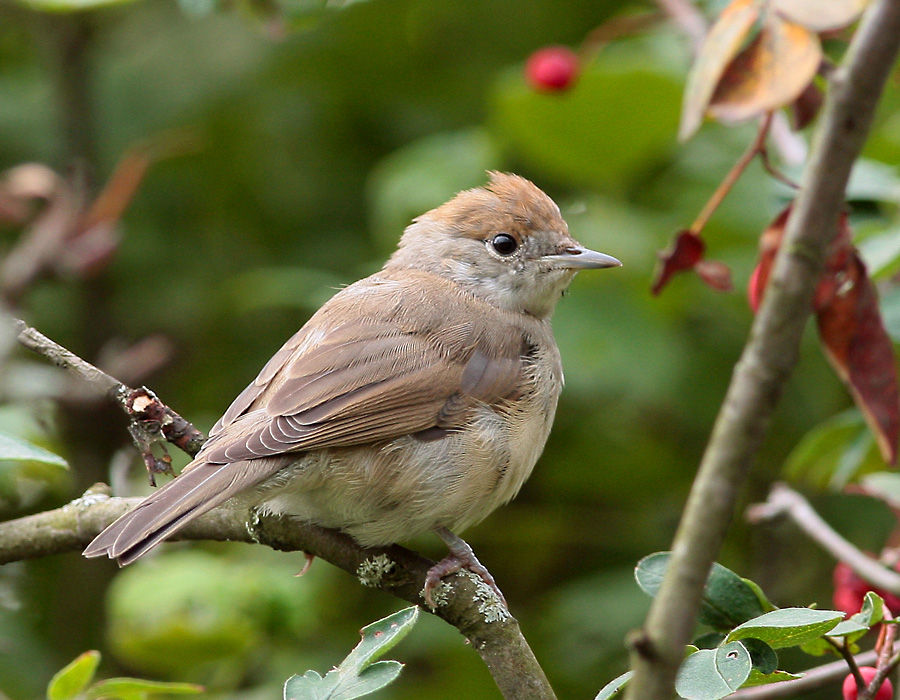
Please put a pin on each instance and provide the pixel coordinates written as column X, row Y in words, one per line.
column 461, row 556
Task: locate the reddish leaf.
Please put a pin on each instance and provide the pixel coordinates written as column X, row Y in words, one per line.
column 857, row 344
column 806, row 106
column 685, row 253
column 768, row 247
column 850, row 325
column 722, row 43
column 771, row 72
column 716, row 274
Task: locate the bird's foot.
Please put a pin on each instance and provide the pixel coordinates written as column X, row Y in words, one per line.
column 460, row 557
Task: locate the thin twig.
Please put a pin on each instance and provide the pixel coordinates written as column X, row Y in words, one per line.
column 756, row 147
column 770, row 353
column 783, row 501
column 151, row 420
column 885, row 649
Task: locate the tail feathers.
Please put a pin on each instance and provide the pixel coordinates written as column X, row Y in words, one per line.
column 195, row 491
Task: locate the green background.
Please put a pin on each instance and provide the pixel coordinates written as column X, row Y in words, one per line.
column 308, row 150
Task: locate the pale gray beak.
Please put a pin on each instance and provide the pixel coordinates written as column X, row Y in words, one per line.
column 579, row 258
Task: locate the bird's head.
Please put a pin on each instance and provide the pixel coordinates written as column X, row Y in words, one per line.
column 505, row 242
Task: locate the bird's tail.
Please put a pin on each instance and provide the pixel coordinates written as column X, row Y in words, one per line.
column 200, row 487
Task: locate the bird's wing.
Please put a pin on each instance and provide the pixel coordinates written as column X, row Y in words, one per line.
column 366, row 368
column 372, row 377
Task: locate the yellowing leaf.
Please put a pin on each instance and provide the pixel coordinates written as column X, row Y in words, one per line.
column 770, row 73
column 722, row 43
column 820, row 16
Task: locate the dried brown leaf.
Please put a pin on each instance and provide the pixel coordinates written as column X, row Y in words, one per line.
column 722, row 44
column 851, row 328
column 859, row 348
column 771, row 72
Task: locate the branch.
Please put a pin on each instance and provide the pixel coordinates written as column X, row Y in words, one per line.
column 770, row 353
column 783, row 501
column 465, row 602
column 468, row 605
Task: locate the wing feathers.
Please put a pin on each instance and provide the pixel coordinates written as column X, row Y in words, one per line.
column 196, row 490
column 366, row 368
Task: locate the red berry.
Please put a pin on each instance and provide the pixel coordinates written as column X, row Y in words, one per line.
column 849, row 589
column 885, row 692
column 552, row 69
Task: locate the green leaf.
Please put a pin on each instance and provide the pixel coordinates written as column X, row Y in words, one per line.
column 359, row 674
column 70, row 681
column 883, row 485
column 64, row 6
column 336, row 686
column 890, row 311
column 871, row 613
column 728, row 600
column 19, row 450
column 881, row 253
column 830, row 454
column 138, row 689
column 612, row 688
column 788, row 627
column 763, row 657
column 759, row 678
column 764, row 601
column 380, row 637
column 710, row 674
column 710, row 640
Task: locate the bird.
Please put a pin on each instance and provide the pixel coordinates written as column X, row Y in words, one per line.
column 415, row 400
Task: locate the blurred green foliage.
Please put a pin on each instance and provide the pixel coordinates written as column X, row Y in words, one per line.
column 307, row 144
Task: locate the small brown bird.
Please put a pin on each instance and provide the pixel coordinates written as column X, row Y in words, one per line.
column 415, row 400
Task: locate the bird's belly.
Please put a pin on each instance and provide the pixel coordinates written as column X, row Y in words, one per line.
column 391, row 492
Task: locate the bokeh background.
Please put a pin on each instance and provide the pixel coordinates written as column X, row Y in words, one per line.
column 296, row 143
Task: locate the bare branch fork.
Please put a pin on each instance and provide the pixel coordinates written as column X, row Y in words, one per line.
column 770, row 353
column 492, row 631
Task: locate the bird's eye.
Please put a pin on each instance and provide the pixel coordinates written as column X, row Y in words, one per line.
column 504, row 244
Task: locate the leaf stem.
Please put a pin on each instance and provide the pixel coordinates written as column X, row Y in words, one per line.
column 756, row 147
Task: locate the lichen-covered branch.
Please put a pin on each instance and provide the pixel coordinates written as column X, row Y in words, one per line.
column 465, row 602
column 770, row 353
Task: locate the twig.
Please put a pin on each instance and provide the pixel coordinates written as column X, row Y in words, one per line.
column 492, row 632
column 783, row 501
column 770, row 353
column 755, row 148
column 884, row 666
column 151, row 420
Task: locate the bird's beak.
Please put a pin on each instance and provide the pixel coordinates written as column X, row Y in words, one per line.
column 580, row 258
